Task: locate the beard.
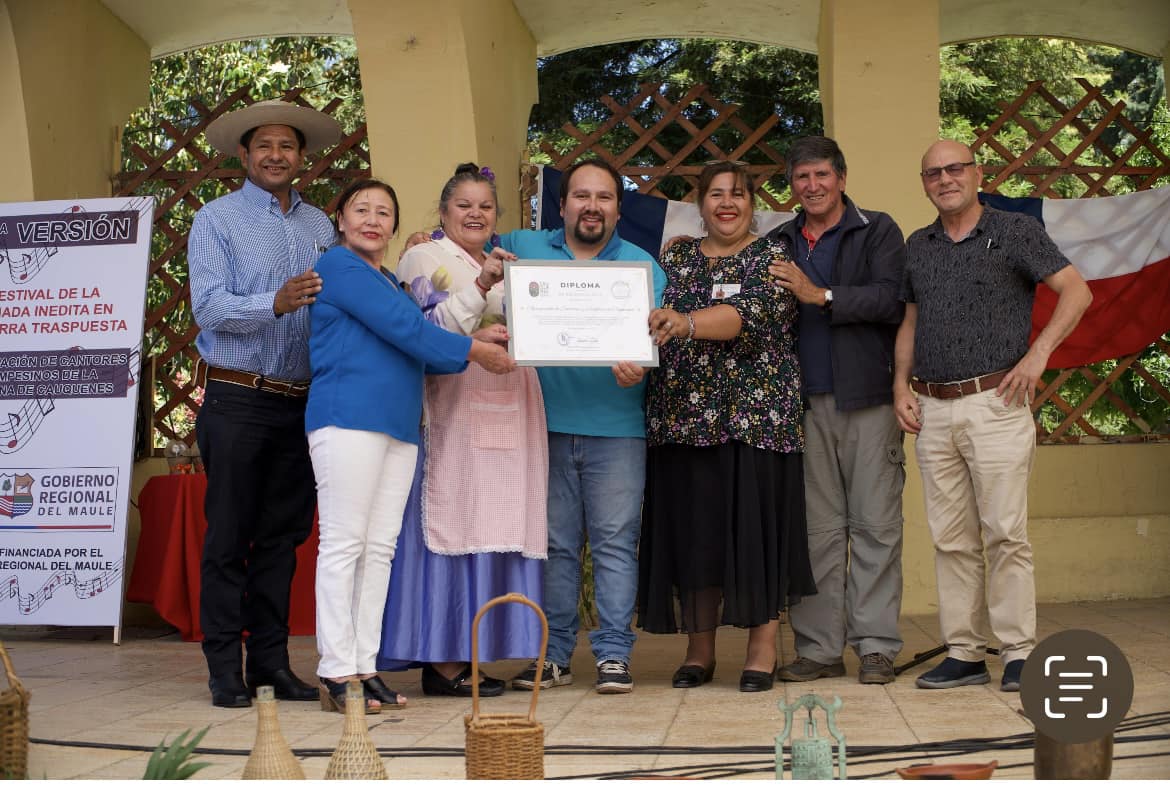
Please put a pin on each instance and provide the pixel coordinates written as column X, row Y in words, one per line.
column 589, row 236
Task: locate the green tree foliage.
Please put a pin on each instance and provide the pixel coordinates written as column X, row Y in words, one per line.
column 764, row 80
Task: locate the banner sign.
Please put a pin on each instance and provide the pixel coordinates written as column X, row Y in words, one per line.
column 72, row 301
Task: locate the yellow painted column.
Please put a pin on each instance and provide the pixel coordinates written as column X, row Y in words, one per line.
column 70, row 73
column 879, row 79
column 17, row 183
column 445, row 82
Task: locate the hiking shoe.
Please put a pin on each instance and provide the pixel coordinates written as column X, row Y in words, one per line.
column 807, row 669
column 613, row 676
column 550, row 677
column 952, row 673
column 1011, row 676
column 876, row 669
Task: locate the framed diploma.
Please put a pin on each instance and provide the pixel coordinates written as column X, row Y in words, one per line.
column 590, row 313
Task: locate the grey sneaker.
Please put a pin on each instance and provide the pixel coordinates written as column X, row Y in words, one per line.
column 807, row 669
column 550, row 677
column 613, row 676
column 876, row 669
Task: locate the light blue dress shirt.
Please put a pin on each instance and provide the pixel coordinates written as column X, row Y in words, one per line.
column 241, row 250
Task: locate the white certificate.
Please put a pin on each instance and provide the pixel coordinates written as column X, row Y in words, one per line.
column 589, row 313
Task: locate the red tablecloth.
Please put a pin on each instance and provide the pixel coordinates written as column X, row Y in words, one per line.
column 166, row 568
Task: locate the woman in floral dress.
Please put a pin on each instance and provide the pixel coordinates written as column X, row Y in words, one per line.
column 475, row 523
column 723, row 532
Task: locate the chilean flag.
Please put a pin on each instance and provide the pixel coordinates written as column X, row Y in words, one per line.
column 1120, row 244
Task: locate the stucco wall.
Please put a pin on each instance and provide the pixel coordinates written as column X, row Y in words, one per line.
column 1100, row 526
column 81, row 73
column 1099, row 522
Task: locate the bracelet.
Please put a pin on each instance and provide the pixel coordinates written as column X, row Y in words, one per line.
column 482, row 289
column 691, row 327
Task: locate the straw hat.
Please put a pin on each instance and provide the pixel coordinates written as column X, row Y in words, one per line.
column 320, row 129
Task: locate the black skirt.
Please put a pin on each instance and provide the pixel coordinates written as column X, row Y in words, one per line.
column 724, row 540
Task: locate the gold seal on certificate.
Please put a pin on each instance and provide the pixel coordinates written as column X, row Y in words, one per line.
column 567, row 313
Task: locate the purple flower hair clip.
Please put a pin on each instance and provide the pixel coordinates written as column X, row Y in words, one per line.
column 437, row 234
column 488, row 174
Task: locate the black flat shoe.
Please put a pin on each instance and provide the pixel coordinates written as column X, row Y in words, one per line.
column 435, row 684
column 690, row 675
column 286, row 685
column 229, row 690
column 332, row 696
column 752, row 681
column 376, row 689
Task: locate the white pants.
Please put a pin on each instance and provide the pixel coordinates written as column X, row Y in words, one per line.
column 363, row 480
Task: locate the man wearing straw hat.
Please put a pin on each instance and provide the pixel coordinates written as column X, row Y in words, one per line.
column 251, row 256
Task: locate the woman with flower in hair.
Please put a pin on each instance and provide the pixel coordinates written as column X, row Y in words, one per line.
column 475, row 523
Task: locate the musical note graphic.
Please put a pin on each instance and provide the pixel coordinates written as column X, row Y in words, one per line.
column 135, row 364
column 24, row 269
column 83, row 589
column 23, row 423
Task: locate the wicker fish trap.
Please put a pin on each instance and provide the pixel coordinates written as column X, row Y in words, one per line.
column 13, row 724
column 505, row 746
column 356, row 758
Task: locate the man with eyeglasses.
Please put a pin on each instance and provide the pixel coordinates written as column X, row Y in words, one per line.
column 970, row 281
column 847, row 274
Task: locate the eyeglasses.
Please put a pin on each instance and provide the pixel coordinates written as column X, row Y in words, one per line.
column 954, row 170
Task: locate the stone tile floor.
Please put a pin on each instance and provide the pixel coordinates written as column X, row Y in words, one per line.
column 86, row 690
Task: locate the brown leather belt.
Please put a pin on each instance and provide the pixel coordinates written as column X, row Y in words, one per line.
column 258, row 382
column 958, row 389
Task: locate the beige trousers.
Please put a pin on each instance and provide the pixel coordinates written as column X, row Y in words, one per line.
column 975, row 455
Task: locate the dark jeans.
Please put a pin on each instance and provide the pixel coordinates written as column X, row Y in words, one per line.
column 260, row 501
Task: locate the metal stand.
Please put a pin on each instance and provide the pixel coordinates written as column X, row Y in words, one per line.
column 923, row 657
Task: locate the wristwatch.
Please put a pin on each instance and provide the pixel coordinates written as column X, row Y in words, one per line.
column 828, row 298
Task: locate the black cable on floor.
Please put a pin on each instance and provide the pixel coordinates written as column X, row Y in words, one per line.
column 858, row 755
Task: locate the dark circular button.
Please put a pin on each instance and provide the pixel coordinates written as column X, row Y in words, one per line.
column 1076, row 686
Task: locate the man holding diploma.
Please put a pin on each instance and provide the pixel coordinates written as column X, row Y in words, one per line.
column 596, row 451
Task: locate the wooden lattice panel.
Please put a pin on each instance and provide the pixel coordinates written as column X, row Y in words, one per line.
column 1042, row 146
column 1083, row 164
column 710, row 129
column 183, row 172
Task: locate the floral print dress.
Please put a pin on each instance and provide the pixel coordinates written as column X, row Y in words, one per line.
column 746, row 389
column 724, row 539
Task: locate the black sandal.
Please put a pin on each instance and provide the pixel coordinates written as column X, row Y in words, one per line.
column 376, row 689
column 332, row 695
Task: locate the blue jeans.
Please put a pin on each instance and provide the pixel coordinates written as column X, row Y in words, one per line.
column 595, row 487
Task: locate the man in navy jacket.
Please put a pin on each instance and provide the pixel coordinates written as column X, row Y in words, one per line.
column 847, row 276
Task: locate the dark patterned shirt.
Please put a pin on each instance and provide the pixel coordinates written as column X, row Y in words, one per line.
column 975, row 296
column 746, row 389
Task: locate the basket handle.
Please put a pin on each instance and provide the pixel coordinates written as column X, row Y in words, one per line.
column 15, row 682
column 511, row 597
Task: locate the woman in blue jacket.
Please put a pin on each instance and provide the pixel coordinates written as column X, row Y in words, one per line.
column 369, row 349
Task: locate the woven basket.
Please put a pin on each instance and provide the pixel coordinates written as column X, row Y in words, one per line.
column 14, row 724
column 505, row 746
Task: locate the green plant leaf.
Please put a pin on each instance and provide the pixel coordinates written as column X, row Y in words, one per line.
column 173, row 762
